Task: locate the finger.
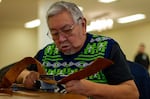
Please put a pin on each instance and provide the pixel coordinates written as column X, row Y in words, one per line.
column 28, row 83
column 69, row 89
column 34, row 75
column 29, row 79
column 69, row 84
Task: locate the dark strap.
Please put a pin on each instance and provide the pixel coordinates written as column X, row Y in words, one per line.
column 93, row 68
column 10, row 77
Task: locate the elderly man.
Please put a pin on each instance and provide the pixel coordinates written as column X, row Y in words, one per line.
column 74, row 48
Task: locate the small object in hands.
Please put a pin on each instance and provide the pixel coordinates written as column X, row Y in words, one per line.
column 40, row 84
column 46, row 83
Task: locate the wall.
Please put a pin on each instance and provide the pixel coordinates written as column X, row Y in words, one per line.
column 129, row 38
column 16, row 43
column 43, row 39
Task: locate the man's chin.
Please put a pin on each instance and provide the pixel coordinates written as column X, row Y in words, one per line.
column 68, row 52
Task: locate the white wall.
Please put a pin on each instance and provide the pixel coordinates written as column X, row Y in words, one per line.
column 129, row 38
column 43, row 39
column 16, row 43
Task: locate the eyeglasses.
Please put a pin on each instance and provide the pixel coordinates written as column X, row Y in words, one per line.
column 65, row 30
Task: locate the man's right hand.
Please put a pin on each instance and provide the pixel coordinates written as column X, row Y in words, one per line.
column 27, row 78
column 30, row 79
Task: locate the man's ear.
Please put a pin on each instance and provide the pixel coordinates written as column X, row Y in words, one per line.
column 83, row 23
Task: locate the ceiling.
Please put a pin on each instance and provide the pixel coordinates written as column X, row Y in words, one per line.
column 17, row 12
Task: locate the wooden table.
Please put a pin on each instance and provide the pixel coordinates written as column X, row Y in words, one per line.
column 40, row 95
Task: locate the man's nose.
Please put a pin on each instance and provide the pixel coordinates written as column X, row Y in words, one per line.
column 62, row 37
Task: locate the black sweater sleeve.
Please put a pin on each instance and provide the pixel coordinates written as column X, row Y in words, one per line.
column 119, row 71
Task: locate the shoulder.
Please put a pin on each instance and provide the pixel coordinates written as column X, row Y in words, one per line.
column 46, row 49
column 100, row 38
column 96, row 37
column 49, row 46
